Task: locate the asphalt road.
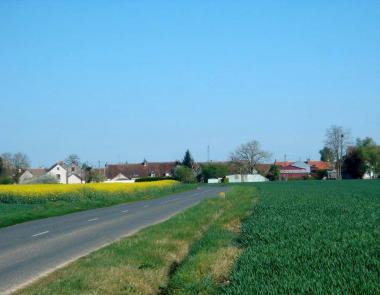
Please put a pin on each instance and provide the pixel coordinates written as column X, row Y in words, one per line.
column 31, row 249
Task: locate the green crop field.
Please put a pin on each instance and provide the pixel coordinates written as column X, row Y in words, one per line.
column 311, row 237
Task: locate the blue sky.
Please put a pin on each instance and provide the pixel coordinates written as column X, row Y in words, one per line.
column 127, row 80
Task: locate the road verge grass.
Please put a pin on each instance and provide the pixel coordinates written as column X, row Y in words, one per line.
column 207, row 266
column 153, row 260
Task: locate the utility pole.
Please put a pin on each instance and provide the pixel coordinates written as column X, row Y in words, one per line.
column 341, row 156
column 208, row 154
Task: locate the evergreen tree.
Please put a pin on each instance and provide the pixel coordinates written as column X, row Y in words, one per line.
column 188, row 160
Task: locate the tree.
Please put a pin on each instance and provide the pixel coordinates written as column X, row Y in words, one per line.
column 72, row 160
column 326, row 155
column 1, row 166
column 184, row 174
column 213, row 170
column 370, row 153
column 273, row 173
column 7, row 159
column 188, row 160
column 337, row 140
column 248, row 155
column 20, row 161
column 354, row 165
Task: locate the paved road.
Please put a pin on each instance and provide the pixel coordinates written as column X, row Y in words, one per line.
column 32, row 249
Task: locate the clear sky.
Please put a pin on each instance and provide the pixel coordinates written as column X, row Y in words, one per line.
column 127, row 80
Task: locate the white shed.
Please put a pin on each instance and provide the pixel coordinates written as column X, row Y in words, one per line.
column 235, row 178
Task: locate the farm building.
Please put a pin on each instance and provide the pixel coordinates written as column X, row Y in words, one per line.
column 293, row 172
column 235, row 178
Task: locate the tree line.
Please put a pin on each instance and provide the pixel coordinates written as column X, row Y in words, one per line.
column 350, row 160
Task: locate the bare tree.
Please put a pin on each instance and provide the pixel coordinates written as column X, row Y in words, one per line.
column 337, row 140
column 248, row 155
column 7, row 161
column 20, row 161
column 72, row 160
column 15, row 161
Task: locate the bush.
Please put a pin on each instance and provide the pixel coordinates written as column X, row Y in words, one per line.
column 6, row 180
column 321, row 174
column 184, row 174
column 213, row 170
column 225, row 180
column 147, row 179
column 274, row 173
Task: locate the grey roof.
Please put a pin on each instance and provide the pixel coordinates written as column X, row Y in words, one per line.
column 302, row 165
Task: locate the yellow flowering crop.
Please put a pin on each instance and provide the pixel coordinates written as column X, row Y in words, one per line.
column 55, row 190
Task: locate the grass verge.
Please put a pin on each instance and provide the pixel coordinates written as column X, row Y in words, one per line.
column 13, row 213
column 157, row 258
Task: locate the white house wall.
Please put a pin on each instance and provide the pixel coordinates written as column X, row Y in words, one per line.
column 58, row 170
column 25, row 176
column 73, row 179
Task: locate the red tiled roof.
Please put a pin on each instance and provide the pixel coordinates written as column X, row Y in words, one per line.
column 319, row 165
column 283, row 164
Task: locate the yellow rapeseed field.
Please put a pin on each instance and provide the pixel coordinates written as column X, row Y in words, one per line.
column 49, row 190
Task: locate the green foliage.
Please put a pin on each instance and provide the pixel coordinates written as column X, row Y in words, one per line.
column 149, row 179
column 188, row 160
column 370, row 153
column 213, row 170
column 327, row 154
column 184, row 174
column 321, row 174
column 273, row 173
column 96, row 176
column 311, row 238
column 354, row 164
column 6, row 180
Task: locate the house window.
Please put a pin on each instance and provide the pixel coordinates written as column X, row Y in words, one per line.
column 58, row 176
column 57, row 167
column 72, row 169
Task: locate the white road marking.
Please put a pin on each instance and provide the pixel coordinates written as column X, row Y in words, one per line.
column 40, row 234
column 145, row 206
column 125, row 211
column 93, row 219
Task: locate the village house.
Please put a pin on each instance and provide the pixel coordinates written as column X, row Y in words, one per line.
column 59, row 170
column 300, row 170
column 130, row 172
